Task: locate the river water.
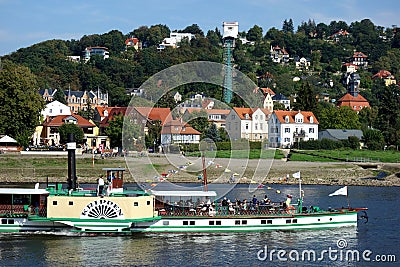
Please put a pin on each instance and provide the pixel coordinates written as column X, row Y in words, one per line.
column 378, row 239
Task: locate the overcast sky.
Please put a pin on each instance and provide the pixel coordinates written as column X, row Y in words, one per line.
column 24, row 23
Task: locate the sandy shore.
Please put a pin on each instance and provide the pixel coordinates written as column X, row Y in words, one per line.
column 220, row 170
column 268, row 171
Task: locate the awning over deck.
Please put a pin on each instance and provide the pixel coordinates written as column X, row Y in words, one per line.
column 184, row 193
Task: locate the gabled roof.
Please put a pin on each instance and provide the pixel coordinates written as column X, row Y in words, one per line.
column 383, row 74
column 281, row 115
column 356, row 103
column 112, row 112
column 59, row 120
column 267, row 91
column 49, row 91
column 359, row 55
column 132, row 41
column 243, row 111
column 342, row 134
column 279, row 97
column 178, row 127
column 162, row 114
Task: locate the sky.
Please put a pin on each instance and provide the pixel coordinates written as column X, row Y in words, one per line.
column 24, row 23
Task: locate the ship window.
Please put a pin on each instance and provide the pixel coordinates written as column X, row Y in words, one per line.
column 263, row 221
column 237, row 222
column 318, row 219
column 70, row 203
column 185, row 223
column 148, row 202
column 330, row 219
column 211, row 223
column 10, row 221
column 55, row 203
column 244, row 221
column 3, row 221
column 218, row 222
column 165, row 222
column 294, row 221
column 135, row 204
column 269, row 221
column 192, row 223
column 288, row 221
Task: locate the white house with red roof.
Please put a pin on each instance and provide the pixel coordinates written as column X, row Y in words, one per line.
column 248, row 123
column 51, row 136
column 133, row 42
column 360, row 59
column 386, row 76
column 288, row 127
column 179, row 132
column 279, row 55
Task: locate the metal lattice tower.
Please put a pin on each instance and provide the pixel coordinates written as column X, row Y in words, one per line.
column 228, row 46
column 231, row 31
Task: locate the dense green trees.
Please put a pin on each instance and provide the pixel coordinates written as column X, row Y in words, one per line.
column 70, row 128
column 20, row 103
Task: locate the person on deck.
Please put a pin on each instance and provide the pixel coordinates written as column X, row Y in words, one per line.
column 100, row 186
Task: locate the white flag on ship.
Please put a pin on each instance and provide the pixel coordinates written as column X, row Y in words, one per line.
column 340, row 192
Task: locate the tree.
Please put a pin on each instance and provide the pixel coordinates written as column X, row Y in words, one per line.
column 373, row 139
column 306, row 99
column 116, row 130
column 60, row 96
column 70, row 128
column 198, row 120
column 288, row 26
column 193, row 29
column 338, row 118
column 213, row 133
column 20, row 102
column 255, row 33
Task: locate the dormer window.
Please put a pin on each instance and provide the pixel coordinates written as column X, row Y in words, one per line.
column 311, row 119
column 246, row 116
column 287, row 119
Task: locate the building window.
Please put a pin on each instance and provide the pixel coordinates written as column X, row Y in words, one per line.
column 287, row 130
column 247, row 126
column 256, row 126
column 261, row 126
column 51, row 111
column 311, row 130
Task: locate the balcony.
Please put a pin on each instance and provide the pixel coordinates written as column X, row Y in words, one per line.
column 300, row 134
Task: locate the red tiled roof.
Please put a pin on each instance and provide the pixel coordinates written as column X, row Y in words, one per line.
column 162, row 114
column 178, row 127
column 268, row 91
column 382, row 74
column 356, row 103
column 59, row 120
column 243, row 111
column 281, row 115
column 131, row 41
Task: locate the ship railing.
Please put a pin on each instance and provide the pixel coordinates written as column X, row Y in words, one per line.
column 219, row 210
column 19, row 210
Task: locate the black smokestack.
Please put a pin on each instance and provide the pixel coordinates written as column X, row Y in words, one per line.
column 71, row 146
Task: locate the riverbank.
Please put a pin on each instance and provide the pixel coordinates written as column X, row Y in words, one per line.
column 32, row 169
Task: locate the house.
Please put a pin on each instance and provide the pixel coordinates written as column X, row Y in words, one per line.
column 48, row 94
column 248, row 123
column 177, row 97
column 83, row 100
column 339, row 134
column 179, row 132
column 9, row 144
column 55, row 108
column 355, row 102
column 359, row 59
column 96, row 50
column 280, row 98
column 50, row 135
column 338, row 35
column 134, row 91
column 174, row 39
column 302, row 63
column 106, row 114
column 353, row 98
column 75, row 59
column 133, row 42
column 279, row 55
column 288, row 127
column 349, row 67
column 386, row 76
column 216, row 116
